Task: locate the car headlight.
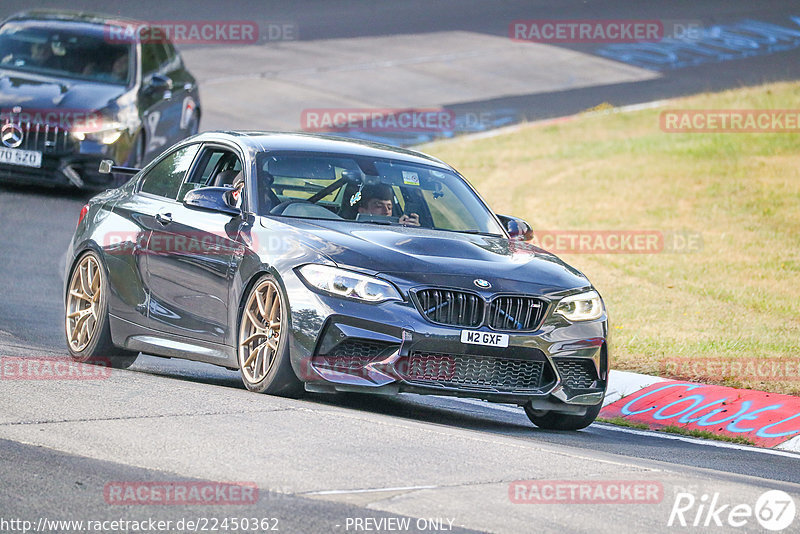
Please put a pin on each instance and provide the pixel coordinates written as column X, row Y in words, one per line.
column 107, row 135
column 348, row 284
column 581, row 307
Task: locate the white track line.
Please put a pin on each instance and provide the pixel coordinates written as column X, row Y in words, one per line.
column 373, row 490
column 697, row 441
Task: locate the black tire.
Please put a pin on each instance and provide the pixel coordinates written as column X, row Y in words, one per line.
column 561, row 421
column 274, row 376
column 98, row 347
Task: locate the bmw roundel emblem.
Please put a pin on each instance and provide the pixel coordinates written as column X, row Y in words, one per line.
column 481, row 283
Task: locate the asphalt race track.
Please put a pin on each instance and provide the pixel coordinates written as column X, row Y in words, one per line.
column 322, row 462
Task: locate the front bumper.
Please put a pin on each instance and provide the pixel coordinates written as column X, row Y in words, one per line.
column 67, row 161
column 344, row 345
column 79, row 171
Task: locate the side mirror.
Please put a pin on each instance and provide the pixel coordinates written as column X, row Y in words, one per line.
column 211, row 199
column 158, row 83
column 107, row 167
column 517, row 229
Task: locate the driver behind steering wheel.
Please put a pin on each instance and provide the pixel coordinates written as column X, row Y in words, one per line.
column 378, row 200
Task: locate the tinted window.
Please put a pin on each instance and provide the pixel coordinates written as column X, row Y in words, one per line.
column 153, row 56
column 170, row 50
column 372, row 191
column 210, row 164
column 56, row 51
column 173, row 60
column 165, row 178
column 216, row 167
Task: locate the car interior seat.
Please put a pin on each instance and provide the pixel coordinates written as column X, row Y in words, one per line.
column 226, row 177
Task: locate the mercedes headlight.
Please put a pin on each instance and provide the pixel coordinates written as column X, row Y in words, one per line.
column 107, row 134
column 348, row 284
column 581, row 307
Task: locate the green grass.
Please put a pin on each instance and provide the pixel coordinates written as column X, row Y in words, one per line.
column 621, row 421
column 672, row 429
column 705, row 434
column 738, row 296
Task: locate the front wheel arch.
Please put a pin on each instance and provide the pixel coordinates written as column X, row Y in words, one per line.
column 280, row 378
column 99, row 347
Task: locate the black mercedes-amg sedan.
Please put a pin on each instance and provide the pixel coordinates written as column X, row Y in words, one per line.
column 323, row 264
column 72, row 94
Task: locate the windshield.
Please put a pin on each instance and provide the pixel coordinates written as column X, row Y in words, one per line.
column 369, row 191
column 56, row 52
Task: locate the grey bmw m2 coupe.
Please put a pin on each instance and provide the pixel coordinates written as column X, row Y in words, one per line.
column 322, row 264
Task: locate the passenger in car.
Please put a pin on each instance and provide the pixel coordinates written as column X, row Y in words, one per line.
column 42, row 55
column 379, row 200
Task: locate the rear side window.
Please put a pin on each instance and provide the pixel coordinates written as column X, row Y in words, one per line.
column 165, row 178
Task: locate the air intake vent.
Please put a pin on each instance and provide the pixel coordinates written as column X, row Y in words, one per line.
column 474, row 372
column 578, row 373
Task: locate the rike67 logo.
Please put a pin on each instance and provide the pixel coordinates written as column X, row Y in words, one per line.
column 774, row 511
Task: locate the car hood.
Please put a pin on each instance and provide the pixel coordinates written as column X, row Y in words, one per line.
column 426, row 257
column 44, row 93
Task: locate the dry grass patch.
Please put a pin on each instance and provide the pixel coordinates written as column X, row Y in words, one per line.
column 739, row 296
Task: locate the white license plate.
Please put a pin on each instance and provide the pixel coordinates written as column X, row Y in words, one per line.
column 484, row 338
column 25, row 158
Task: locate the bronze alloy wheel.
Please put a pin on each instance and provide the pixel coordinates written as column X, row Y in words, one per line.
column 262, row 348
column 260, row 331
column 87, row 323
column 83, row 303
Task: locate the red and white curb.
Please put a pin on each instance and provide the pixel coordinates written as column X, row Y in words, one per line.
column 769, row 420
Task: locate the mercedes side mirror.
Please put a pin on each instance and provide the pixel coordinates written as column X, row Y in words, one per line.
column 158, row 83
column 107, row 167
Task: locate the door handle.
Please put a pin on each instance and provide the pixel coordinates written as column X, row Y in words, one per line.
column 164, row 218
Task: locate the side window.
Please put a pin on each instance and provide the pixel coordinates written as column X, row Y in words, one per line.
column 173, row 59
column 216, row 167
column 153, row 56
column 210, row 164
column 165, row 178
